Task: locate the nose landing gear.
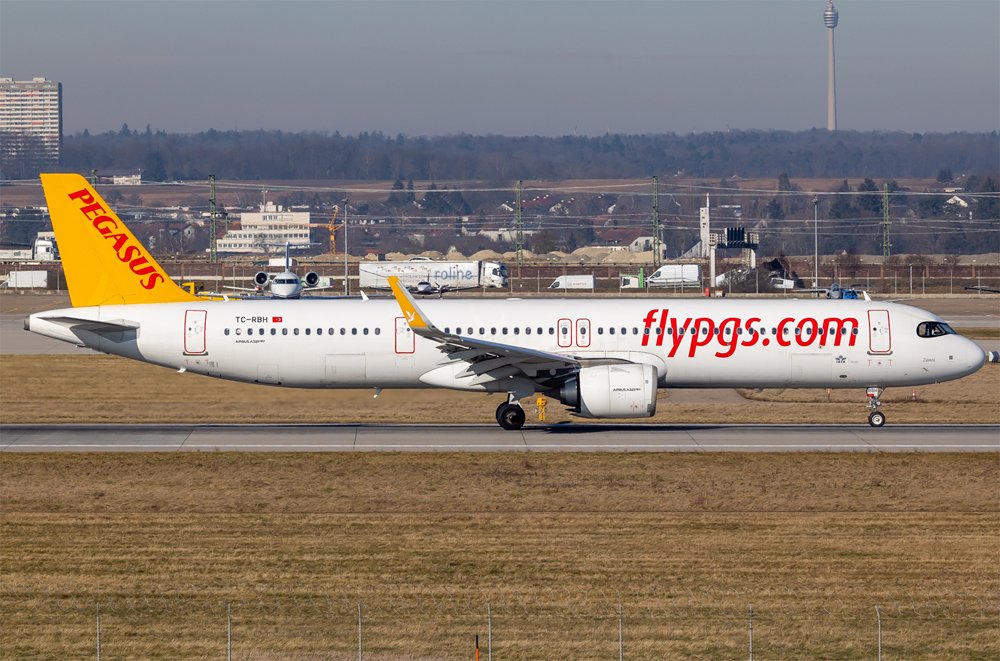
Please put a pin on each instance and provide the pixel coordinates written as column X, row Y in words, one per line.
column 876, row 418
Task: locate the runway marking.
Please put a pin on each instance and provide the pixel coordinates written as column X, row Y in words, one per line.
column 502, row 447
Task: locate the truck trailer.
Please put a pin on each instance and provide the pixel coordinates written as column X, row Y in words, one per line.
column 426, row 276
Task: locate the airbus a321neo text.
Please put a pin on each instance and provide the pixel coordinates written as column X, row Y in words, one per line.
column 603, row 358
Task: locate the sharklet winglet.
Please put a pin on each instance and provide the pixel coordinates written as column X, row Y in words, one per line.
column 414, row 317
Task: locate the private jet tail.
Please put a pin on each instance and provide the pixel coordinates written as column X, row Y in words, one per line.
column 104, row 263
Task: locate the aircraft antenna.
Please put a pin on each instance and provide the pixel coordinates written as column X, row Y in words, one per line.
column 886, row 222
column 519, row 225
column 657, row 241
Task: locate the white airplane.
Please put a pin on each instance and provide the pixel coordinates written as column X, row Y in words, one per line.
column 603, row 358
column 285, row 284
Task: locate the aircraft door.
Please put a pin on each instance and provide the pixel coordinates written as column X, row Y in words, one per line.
column 583, row 332
column 564, row 332
column 879, row 336
column 406, row 341
column 194, row 332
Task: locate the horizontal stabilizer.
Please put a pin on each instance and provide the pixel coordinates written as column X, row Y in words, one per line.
column 93, row 325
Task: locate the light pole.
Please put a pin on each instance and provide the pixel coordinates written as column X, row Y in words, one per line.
column 347, row 287
column 816, row 241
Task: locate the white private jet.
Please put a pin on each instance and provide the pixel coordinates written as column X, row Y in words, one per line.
column 604, row 358
column 285, row 284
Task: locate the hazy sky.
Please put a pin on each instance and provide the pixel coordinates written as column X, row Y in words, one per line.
column 512, row 68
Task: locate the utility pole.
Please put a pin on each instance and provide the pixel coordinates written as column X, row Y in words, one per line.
column 519, row 226
column 816, row 241
column 886, row 222
column 657, row 242
column 214, row 255
column 347, row 288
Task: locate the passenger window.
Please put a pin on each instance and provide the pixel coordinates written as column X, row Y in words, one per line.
column 611, row 330
column 539, row 330
column 482, row 331
column 600, row 330
column 226, row 332
column 354, row 331
column 517, row 331
column 260, row 331
column 274, row 331
column 239, row 332
column 319, row 331
column 645, row 331
column 329, row 331
column 249, row 331
column 284, row 331
column 583, row 331
column 378, row 331
column 504, row 329
column 564, row 330
column 552, row 331
column 295, row 331
column 343, row 331
column 366, row 331
column 527, row 331
column 493, row 331
column 635, row 331
column 308, row 331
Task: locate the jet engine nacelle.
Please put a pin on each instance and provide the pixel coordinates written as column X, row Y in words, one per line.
column 261, row 278
column 311, row 279
column 612, row 391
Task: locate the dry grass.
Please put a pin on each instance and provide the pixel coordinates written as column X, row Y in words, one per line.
column 686, row 543
column 104, row 389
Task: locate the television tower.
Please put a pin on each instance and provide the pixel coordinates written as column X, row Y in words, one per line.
column 830, row 17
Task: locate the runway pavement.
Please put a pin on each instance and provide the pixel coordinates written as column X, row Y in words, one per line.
column 488, row 438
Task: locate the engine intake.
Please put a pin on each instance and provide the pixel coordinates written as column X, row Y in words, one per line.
column 612, row 391
column 311, row 279
column 261, row 278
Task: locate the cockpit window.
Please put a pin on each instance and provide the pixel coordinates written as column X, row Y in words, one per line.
column 934, row 329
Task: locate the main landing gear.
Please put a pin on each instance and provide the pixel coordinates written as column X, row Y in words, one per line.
column 510, row 415
column 876, row 418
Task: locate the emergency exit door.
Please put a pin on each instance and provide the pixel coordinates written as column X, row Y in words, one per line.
column 879, row 336
column 194, row 332
column 406, row 341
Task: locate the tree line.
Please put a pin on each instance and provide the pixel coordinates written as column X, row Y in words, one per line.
column 250, row 155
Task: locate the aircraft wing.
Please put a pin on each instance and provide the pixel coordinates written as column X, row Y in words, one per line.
column 487, row 360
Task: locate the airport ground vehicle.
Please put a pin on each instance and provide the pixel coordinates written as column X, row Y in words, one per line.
column 601, row 357
column 675, row 275
column 573, row 282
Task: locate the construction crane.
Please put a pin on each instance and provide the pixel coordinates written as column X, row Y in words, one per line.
column 331, row 227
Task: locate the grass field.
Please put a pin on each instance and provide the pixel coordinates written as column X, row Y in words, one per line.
column 553, row 543
column 104, row 389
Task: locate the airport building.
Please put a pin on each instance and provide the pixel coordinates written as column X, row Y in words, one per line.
column 266, row 229
column 31, row 119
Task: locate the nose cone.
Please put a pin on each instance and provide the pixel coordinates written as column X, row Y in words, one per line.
column 968, row 357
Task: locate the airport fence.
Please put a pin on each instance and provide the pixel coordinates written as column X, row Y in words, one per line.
column 307, row 627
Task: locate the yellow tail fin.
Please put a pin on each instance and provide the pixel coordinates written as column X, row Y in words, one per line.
column 103, row 261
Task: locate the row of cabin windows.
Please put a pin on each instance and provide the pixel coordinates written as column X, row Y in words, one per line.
column 565, row 330
column 305, row 331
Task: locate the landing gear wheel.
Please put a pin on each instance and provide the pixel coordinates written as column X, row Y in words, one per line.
column 510, row 416
column 876, row 418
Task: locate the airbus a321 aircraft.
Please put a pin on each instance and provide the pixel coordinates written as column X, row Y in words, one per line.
column 603, row 358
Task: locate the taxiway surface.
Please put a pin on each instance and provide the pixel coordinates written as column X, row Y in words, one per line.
column 488, row 438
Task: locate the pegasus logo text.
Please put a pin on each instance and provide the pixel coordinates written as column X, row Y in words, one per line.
column 132, row 255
